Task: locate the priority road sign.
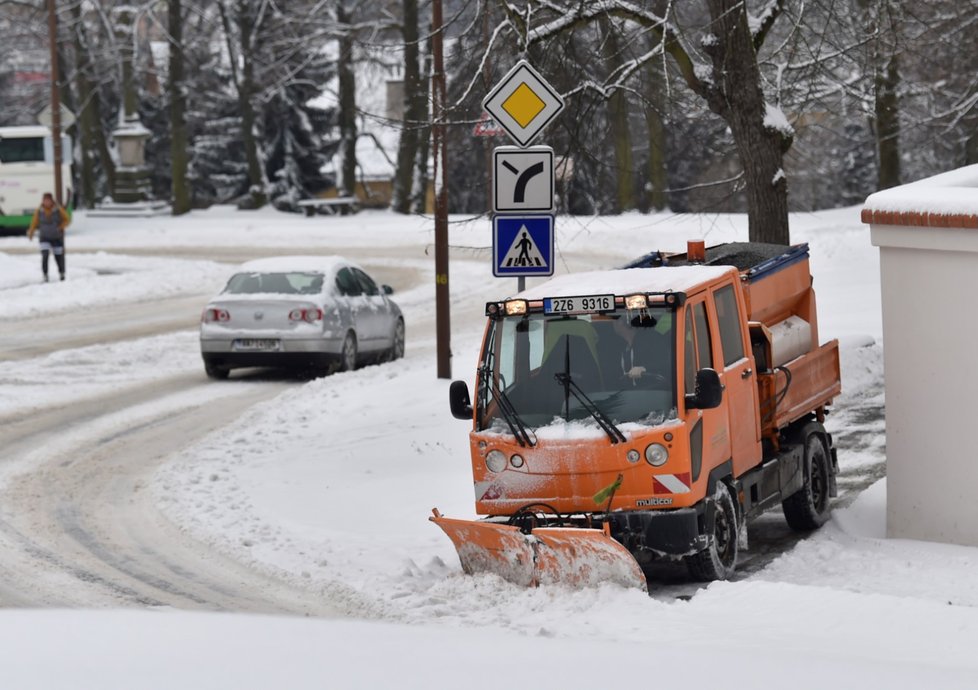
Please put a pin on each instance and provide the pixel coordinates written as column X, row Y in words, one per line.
column 523, row 103
column 523, row 246
column 523, row 179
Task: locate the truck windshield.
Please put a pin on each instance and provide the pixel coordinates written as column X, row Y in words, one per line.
column 623, row 361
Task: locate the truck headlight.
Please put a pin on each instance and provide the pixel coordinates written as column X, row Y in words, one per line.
column 656, row 455
column 496, row 461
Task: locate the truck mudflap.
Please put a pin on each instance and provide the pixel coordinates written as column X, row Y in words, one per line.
column 574, row 556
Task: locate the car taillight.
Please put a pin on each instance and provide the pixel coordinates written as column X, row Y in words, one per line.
column 211, row 315
column 307, row 315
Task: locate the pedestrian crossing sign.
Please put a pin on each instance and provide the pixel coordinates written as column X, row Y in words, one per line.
column 522, row 246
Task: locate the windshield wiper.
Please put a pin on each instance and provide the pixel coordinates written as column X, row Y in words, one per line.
column 517, row 427
column 570, row 387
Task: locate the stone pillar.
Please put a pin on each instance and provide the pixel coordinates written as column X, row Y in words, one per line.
column 927, row 233
column 132, row 179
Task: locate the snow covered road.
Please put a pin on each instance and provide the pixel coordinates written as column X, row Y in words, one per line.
column 100, row 383
column 26, row 338
column 76, row 527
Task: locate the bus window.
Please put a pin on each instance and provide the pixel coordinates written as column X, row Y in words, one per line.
column 21, row 150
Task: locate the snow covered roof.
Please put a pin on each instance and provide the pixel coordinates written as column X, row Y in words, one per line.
column 29, row 131
column 282, row 264
column 948, row 200
column 627, row 280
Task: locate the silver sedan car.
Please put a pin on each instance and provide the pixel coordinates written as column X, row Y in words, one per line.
column 300, row 311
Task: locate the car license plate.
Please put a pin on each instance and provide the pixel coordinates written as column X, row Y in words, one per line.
column 256, row 344
column 584, row 304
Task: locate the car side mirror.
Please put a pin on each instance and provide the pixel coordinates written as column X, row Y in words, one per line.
column 709, row 391
column 388, row 290
column 459, row 401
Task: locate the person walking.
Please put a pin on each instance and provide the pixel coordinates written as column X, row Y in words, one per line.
column 50, row 220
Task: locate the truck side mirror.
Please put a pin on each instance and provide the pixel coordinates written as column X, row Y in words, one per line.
column 709, row 391
column 459, row 401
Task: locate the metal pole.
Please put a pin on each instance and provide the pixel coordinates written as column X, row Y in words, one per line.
column 443, row 329
column 55, row 101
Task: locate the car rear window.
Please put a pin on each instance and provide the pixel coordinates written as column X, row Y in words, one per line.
column 293, row 283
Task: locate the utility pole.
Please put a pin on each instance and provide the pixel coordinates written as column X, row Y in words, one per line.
column 443, row 330
column 55, row 100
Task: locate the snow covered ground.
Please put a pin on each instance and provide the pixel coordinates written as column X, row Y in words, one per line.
column 329, row 485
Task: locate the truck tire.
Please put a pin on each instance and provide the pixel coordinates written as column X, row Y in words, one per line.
column 718, row 561
column 809, row 507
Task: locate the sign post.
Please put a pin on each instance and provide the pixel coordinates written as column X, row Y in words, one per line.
column 523, row 103
column 443, row 330
column 55, row 101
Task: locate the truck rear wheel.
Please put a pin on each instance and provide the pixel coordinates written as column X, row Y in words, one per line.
column 718, row 561
column 809, row 507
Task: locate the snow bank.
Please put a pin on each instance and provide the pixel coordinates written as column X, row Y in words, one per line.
column 149, row 650
column 101, row 279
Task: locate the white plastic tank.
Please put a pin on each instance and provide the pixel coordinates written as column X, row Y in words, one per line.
column 789, row 339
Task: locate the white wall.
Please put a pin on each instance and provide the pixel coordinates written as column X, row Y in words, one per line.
column 929, row 282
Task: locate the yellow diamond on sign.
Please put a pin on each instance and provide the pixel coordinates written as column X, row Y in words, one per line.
column 523, row 105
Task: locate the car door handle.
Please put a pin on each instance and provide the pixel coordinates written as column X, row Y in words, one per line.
column 745, row 374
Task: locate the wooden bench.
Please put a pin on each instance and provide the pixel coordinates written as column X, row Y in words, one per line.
column 331, row 206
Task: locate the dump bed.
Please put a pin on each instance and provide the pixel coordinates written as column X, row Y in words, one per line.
column 796, row 375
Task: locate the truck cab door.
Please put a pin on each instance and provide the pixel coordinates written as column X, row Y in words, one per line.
column 709, row 436
column 736, row 369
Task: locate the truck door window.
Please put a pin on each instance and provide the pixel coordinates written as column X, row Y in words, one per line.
column 520, row 349
column 704, row 342
column 690, row 366
column 731, row 335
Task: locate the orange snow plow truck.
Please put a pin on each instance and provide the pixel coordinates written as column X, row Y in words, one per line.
column 647, row 413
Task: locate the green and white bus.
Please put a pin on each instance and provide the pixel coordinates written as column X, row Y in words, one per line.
column 27, row 171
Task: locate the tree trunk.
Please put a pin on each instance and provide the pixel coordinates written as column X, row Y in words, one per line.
column 656, row 131
column 348, row 106
column 618, row 124
column 91, row 135
column 246, row 89
column 971, row 147
column 180, row 193
column 419, row 192
column 739, row 100
column 414, row 111
column 888, row 124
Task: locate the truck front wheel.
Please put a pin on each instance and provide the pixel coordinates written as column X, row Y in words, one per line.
column 808, row 508
column 719, row 560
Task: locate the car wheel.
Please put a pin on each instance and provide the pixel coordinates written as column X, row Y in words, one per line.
column 397, row 347
column 348, row 356
column 718, row 561
column 809, row 507
column 215, row 372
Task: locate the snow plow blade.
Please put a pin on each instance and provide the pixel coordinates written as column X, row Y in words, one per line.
column 573, row 556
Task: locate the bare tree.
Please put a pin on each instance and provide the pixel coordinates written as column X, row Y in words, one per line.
column 415, row 109
column 179, row 155
column 730, row 83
